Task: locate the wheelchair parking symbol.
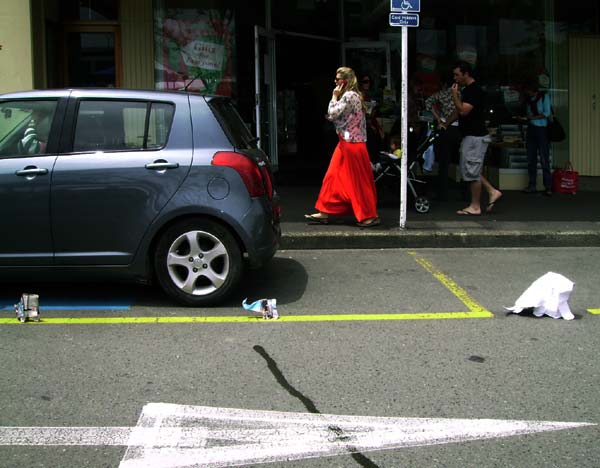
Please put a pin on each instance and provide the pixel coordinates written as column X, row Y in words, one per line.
column 405, row 6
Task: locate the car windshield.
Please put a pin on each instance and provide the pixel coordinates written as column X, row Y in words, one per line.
column 232, row 123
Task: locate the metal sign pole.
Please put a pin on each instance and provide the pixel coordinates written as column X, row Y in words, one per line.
column 402, row 13
column 404, row 128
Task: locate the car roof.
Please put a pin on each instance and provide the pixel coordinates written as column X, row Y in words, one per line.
column 103, row 93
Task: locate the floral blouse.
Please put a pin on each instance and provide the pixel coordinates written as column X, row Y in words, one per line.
column 348, row 117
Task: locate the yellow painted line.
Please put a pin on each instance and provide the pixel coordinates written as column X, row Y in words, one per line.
column 594, row 311
column 460, row 293
column 245, row 319
column 476, row 310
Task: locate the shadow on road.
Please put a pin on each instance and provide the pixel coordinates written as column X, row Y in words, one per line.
column 361, row 459
column 283, row 278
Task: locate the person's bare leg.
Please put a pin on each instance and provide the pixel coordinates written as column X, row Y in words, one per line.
column 493, row 193
column 475, row 207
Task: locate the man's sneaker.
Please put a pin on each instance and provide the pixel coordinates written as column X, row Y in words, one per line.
column 529, row 190
column 548, row 193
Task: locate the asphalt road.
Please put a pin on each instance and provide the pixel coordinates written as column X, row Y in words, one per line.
column 453, row 353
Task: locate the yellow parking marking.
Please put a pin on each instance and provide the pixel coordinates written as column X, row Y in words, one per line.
column 245, row 319
column 473, row 306
column 594, row 311
column 475, row 310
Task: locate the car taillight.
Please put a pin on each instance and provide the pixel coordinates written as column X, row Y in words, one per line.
column 245, row 167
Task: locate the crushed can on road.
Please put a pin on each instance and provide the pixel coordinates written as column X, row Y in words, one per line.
column 28, row 308
column 267, row 307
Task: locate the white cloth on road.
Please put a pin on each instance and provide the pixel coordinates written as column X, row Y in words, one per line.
column 548, row 295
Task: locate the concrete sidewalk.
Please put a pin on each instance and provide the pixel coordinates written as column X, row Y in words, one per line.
column 518, row 220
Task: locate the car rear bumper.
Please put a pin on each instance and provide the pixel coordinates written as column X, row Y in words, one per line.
column 264, row 230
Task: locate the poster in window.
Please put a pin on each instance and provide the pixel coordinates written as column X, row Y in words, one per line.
column 195, row 47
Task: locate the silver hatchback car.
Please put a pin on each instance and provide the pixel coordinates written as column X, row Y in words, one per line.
column 138, row 185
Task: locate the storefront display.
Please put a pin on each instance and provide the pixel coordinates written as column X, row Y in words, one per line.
column 194, row 48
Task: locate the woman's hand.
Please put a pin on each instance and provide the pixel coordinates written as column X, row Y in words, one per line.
column 336, row 93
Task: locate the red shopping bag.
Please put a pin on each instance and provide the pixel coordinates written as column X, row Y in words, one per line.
column 565, row 180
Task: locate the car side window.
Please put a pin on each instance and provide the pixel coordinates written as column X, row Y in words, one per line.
column 115, row 125
column 161, row 117
column 25, row 127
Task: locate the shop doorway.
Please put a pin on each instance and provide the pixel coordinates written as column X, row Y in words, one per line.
column 293, row 80
column 305, row 79
column 266, row 94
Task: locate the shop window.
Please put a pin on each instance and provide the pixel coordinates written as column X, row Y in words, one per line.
column 91, row 58
column 195, row 46
column 88, row 41
column 90, row 10
column 315, row 17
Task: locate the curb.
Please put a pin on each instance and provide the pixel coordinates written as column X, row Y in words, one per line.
column 427, row 239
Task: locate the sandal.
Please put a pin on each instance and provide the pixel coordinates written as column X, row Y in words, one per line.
column 467, row 213
column 317, row 218
column 373, row 222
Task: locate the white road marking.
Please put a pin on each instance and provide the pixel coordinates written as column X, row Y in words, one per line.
column 170, row 436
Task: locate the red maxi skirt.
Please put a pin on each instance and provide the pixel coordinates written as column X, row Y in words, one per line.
column 348, row 186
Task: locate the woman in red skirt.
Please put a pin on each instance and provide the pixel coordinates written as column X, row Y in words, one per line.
column 348, row 186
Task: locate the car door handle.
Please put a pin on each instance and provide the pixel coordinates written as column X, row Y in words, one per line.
column 161, row 165
column 31, row 172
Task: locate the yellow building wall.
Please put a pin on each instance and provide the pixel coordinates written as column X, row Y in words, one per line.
column 137, row 39
column 16, row 73
column 584, row 105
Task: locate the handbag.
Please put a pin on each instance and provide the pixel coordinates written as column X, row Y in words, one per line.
column 565, row 180
column 556, row 132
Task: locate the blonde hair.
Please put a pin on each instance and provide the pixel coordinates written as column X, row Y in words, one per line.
column 352, row 83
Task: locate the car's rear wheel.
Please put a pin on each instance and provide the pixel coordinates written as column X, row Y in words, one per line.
column 198, row 262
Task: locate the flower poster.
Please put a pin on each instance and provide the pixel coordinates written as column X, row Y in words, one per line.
column 195, row 48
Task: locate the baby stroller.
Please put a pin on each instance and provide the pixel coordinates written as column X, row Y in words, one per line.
column 388, row 170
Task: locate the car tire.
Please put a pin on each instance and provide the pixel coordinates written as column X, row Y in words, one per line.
column 198, row 262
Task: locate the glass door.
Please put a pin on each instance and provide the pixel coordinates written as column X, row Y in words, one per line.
column 266, row 93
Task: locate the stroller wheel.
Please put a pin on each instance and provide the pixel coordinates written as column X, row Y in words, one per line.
column 422, row 205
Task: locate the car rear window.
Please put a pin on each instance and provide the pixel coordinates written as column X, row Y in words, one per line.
column 115, row 125
column 232, row 123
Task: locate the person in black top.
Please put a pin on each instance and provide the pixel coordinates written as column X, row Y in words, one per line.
column 447, row 145
column 469, row 103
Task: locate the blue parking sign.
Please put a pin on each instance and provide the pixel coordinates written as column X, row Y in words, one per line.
column 405, row 20
column 405, row 6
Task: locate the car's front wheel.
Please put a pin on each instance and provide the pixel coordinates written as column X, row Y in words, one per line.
column 198, row 262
